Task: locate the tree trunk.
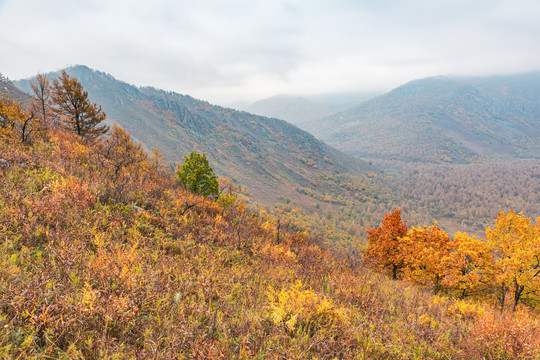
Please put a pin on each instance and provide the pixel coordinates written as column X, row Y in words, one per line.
column 518, row 290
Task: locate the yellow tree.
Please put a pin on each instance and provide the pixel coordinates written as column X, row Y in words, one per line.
column 469, row 265
column 424, row 251
column 77, row 112
column 384, row 243
column 15, row 120
column 515, row 241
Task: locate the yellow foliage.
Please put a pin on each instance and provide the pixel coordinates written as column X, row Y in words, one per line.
column 295, row 307
column 465, row 309
column 427, row 320
column 88, row 298
column 278, row 253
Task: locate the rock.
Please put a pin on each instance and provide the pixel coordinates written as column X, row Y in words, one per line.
column 4, row 164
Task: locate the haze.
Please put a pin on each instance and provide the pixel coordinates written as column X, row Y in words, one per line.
column 223, row 51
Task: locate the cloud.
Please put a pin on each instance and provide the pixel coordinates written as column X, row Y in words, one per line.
column 222, row 51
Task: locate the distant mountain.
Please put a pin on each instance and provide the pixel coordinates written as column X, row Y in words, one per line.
column 440, row 119
column 269, row 157
column 8, row 88
column 303, row 110
column 294, row 109
column 337, row 102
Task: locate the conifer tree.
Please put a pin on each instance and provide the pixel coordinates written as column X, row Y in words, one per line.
column 197, row 176
column 77, row 112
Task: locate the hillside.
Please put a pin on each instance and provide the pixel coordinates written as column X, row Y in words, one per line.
column 7, row 88
column 268, row 157
column 101, row 264
column 294, row 109
column 440, row 119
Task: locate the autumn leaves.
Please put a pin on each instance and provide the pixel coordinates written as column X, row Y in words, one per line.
column 506, row 263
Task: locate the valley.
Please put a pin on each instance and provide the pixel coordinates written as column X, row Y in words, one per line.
column 105, row 254
column 455, row 169
column 269, row 180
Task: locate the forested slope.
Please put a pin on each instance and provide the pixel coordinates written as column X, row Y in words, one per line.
column 442, row 120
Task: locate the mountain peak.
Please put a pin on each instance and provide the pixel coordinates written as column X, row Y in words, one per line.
column 427, row 86
column 441, row 119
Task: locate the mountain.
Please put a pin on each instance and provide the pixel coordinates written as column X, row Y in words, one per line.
column 8, row 88
column 269, row 157
column 294, row 109
column 302, row 110
column 342, row 101
column 441, row 119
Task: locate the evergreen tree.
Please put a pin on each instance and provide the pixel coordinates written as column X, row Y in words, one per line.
column 77, row 112
column 197, row 176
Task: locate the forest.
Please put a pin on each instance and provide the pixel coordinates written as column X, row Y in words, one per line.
column 107, row 254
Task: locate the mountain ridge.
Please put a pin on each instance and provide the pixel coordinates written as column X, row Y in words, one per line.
column 269, row 157
column 437, row 119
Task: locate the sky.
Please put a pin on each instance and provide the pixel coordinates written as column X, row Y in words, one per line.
column 225, row 51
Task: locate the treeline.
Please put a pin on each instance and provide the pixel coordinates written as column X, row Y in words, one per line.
column 462, row 198
column 506, row 264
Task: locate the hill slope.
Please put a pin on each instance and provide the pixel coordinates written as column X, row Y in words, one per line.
column 86, row 275
column 267, row 156
column 7, row 88
column 440, row 119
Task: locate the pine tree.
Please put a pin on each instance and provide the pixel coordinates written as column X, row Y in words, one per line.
column 197, row 176
column 77, row 112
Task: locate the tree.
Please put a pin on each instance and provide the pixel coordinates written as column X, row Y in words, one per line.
column 424, row 251
column 515, row 241
column 41, row 100
column 14, row 119
column 118, row 152
column 197, row 176
column 78, row 114
column 384, row 243
column 469, row 264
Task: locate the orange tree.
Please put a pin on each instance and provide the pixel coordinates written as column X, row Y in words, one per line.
column 121, row 160
column 384, row 243
column 515, row 241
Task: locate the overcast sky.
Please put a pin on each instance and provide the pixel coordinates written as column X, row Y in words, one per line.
column 228, row 50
